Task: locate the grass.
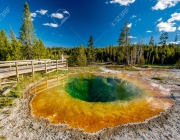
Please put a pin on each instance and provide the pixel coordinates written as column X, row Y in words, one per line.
column 160, row 66
column 122, row 67
column 6, row 101
column 16, row 92
column 132, row 68
column 85, row 69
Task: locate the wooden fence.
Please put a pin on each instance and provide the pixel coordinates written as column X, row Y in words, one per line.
column 16, row 68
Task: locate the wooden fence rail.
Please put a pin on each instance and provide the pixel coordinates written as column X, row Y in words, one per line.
column 16, row 68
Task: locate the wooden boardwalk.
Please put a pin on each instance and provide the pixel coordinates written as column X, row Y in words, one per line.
column 16, row 68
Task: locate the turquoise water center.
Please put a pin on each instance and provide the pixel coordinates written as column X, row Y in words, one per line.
column 92, row 88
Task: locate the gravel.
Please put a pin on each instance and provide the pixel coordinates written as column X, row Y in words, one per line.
column 20, row 125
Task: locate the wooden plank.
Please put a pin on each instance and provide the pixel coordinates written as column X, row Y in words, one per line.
column 6, row 92
column 3, row 83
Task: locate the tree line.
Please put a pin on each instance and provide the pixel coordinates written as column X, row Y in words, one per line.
column 127, row 53
column 28, row 46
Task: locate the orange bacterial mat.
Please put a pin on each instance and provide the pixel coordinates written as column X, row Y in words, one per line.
column 52, row 101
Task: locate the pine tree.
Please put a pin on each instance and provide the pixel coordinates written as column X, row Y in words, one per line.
column 110, row 52
column 27, row 33
column 39, row 50
column 114, row 54
column 139, row 51
column 176, row 38
column 151, row 42
column 73, row 57
column 163, row 38
column 5, row 46
column 16, row 46
column 8, row 57
column 124, row 40
column 121, row 41
column 91, row 42
column 81, row 58
column 90, row 52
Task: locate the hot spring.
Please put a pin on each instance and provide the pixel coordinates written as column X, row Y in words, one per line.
column 92, row 102
column 93, row 88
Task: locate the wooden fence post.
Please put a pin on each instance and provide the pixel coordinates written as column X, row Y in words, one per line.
column 45, row 67
column 32, row 64
column 0, row 83
column 67, row 63
column 17, row 71
column 56, row 65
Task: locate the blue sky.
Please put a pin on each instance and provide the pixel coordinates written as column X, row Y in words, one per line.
column 69, row 23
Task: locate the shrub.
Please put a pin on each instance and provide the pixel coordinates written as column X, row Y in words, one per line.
column 5, row 102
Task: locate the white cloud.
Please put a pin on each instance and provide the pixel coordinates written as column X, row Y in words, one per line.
column 51, row 25
column 129, row 25
column 132, row 37
column 123, row 2
column 57, row 15
column 148, row 31
column 172, row 42
column 33, row 14
column 42, row 12
column 163, row 4
column 159, row 20
column 167, row 27
column 174, row 17
column 106, row 2
column 133, row 16
column 65, row 12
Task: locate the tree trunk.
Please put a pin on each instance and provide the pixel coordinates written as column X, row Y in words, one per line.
column 153, row 60
column 149, row 58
